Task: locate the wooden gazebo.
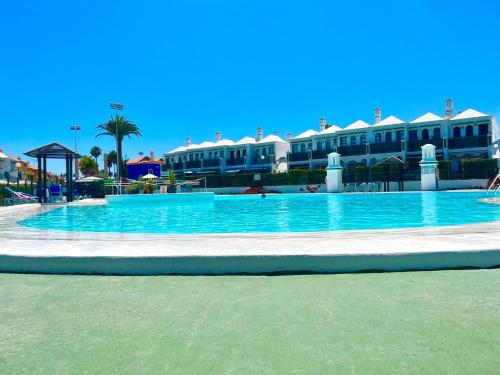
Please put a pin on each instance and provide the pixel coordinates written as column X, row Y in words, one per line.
column 53, row 151
column 386, row 163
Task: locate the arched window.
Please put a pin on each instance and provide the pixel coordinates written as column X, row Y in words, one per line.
column 388, row 137
column 309, row 146
column 238, row 154
column 436, row 133
column 456, row 132
column 425, row 134
column 469, row 131
column 264, row 151
column 244, row 153
column 362, row 139
column 378, row 138
column 302, row 147
column 210, row 155
column 319, row 146
column 353, row 140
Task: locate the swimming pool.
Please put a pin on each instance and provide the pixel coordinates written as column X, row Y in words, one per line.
column 275, row 213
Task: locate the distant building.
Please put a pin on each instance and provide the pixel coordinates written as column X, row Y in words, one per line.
column 143, row 165
column 259, row 154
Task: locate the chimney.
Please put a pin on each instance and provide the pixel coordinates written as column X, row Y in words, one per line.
column 289, row 137
column 151, row 155
column 378, row 115
column 322, row 124
column 449, row 108
column 259, row 134
column 188, row 141
column 217, row 137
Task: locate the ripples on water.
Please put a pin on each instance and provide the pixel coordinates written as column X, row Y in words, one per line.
column 275, row 213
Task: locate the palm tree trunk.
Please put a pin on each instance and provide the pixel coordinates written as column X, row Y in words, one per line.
column 119, row 157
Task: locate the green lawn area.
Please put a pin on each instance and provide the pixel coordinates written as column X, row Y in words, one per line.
column 414, row 322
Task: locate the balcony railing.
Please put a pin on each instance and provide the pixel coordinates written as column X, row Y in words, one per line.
column 468, row 142
column 266, row 160
column 298, row 156
column 416, row 145
column 236, row 161
column 211, row 163
column 193, row 164
column 321, row 154
column 352, row 150
column 382, row 148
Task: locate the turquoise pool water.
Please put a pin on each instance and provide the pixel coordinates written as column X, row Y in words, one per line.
column 275, row 213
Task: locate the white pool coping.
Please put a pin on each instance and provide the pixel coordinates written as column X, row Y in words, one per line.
column 31, row 250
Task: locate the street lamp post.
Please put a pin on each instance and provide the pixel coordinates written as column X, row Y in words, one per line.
column 18, row 166
column 75, row 128
column 117, row 107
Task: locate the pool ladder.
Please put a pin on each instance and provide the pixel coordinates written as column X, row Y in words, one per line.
column 494, row 186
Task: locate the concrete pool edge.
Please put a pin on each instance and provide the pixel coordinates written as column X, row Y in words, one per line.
column 27, row 250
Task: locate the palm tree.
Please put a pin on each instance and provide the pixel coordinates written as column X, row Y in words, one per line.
column 119, row 127
column 111, row 156
column 88, row 166
column 95, row 152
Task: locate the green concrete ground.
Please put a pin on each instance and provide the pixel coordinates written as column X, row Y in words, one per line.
column 415, row 322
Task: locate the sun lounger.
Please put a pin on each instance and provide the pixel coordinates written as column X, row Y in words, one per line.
column 18, row 197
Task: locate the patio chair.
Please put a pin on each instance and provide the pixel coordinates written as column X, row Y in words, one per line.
column 56, row 194
column 18, row 197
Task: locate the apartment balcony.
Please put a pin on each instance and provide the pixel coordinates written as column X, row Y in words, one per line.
column 298, row 156
column 193, row 164
column 235, row 161
column 177, row 166
column 383, row 148
column 352, row 150
column 416, row 145
column 468, row 142
column 208, row 163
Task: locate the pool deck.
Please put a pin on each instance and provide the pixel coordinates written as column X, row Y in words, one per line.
column 31, row 250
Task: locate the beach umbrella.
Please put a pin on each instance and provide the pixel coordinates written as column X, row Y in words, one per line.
column 89, row 179
column 149, row 176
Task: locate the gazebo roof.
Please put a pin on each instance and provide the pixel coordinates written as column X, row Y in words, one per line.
column 391, row 160
column 52, row 151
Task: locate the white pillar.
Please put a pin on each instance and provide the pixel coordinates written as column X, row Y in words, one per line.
column 334, row 174
column 428, row 166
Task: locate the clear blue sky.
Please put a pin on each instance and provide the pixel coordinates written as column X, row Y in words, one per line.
column 194, row 67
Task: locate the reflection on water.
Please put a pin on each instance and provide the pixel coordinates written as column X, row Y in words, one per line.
column 429, row 208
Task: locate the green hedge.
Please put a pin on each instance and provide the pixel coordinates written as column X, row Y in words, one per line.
column 444, row 167
column 484, row 168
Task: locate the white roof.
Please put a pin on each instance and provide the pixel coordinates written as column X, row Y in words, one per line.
column 206, row 144
column 391, row 120
column 271, row 138
column 245, row 140
column 469, row 113
column 428, row 117
column 357, row 125
column 307, row 133
column 190, row 147
column 224, row 142
column 178, row 149
column 3, row 156
column 330, row 129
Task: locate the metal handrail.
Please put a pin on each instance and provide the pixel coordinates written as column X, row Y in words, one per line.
column 494, row 186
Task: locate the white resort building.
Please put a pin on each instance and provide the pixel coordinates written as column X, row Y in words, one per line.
column 259, row 154
column 465, row 135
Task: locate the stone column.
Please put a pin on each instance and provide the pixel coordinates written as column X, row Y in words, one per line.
column 334, row 174
column 428, row 166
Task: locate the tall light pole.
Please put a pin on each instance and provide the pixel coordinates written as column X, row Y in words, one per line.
column 117, row 107
column 75, row 128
